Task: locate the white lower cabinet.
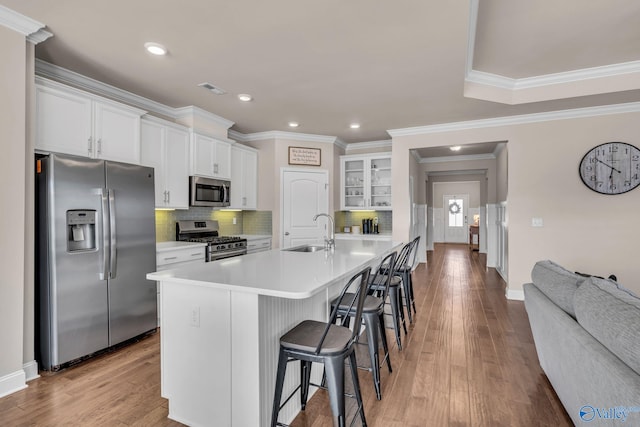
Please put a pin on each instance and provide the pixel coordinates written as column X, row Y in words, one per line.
column 244, row 178
column 258, row 244
column 74, row 122
column 165, row 147
column 175, row 255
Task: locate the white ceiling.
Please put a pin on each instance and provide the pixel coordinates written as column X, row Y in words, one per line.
column 387, row 65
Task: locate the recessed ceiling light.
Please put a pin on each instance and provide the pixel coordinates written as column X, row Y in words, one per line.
column 155, row 48
column 354, row 125
column 244, row 97
column 455, row 148
column 294, row 124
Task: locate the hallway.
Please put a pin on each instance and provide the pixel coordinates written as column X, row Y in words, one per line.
column 468, row 360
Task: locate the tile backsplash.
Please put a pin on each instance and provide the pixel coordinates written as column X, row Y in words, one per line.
column 247, row 222
column 349, row 218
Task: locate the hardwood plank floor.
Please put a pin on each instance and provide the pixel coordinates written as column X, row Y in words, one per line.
column 468, row 360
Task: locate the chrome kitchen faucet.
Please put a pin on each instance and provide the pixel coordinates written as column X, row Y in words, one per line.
column 330, row 240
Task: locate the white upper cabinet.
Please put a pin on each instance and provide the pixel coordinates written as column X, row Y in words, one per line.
column 165, row 147
column 365, row 182
column 74, row 122
column 244, row 178
column 210, row 157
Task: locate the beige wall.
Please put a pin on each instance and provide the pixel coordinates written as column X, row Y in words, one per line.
column 502, row 182
column 12, row 193
column 583, row 230
column 273, row 156
column 472, row 188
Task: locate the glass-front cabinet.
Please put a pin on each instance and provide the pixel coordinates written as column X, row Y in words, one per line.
column 366, row 181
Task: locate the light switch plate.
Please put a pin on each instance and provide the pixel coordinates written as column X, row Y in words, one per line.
column 537, row 222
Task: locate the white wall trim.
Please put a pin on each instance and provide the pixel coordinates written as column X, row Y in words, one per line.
column 12, row 382
column 31, row 370
column 369, row 145
column 631, row 107
column 487, row 156
column 192, row 111
column 515, row 294
column 285, row 135
column 33, row 30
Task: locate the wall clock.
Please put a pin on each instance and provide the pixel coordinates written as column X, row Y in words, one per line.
column 611, row 168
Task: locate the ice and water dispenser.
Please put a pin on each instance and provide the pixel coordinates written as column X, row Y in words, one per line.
column 81, row 230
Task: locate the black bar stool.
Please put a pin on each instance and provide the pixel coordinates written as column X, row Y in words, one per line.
column 378, row 284
column 405, row 270
column 326, row 343
column 373, row 316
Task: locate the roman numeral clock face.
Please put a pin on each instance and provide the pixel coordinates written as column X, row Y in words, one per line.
column 611, row 168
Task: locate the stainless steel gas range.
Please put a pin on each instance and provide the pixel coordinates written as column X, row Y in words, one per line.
column 206, row 231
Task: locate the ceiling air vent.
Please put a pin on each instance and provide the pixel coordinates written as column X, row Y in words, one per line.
column 212, row 88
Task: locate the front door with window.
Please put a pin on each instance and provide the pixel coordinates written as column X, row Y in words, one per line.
column 456, row 226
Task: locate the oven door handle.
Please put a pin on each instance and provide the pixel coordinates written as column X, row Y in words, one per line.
column 213, row 256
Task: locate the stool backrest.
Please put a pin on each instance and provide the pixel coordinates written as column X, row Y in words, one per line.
column 403, row 258
column 414, row 251
column 357, row 301
column 385, row 272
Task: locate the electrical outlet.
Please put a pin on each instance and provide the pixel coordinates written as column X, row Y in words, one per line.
column 195, row 317
column 235, row 221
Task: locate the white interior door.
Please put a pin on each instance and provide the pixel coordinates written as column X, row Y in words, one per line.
column 456, row 224
column 305, row 193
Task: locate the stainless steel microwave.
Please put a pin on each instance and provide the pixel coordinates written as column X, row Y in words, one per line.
column 209, row 192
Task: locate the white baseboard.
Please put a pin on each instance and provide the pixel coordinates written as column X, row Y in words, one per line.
column 516, row 295
column 12, row 382
column 31, row 370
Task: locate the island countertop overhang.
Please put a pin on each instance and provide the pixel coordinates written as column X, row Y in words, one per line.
column 281, row 273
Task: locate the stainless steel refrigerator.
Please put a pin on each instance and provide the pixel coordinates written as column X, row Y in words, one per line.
column 95, row 242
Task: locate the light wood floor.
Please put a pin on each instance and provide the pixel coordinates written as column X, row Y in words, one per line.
column 468, row 360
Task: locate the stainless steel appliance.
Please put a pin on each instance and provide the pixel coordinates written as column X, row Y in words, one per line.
column 209, row 192
column 95, row 232
column 218, row 247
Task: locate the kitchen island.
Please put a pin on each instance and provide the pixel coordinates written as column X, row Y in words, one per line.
column 222, row 322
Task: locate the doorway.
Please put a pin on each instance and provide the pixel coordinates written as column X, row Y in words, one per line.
column 305, row 193
column 456, row 224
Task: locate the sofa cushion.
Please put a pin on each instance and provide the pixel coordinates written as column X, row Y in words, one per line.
column 612, row 315
column 557, row 283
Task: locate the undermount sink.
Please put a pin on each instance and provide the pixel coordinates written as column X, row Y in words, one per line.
column 305, row 248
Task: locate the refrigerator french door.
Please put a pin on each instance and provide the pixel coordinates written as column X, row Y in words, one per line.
column 95, row 231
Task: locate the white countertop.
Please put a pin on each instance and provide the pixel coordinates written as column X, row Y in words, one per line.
column 279, row 273
column 360, row 236
column 168, row 246
column 255, row 236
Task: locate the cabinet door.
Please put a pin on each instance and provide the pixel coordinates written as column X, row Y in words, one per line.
column 379, row 179
column 237, row 179
column 353, row 184
column 222, row 160
column 177, row 168
column 63, row 122
column 202, row 155
column 152, row 154
column 117, row 133
column 250, row 173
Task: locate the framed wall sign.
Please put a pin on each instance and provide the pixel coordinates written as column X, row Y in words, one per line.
column 304, row 156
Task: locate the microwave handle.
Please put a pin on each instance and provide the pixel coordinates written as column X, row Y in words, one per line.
column 225, row 193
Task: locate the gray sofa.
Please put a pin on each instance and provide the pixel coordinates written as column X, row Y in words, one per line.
column 587, row 335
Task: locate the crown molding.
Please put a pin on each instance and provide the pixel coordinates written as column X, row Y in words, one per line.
column 457, row 172
column 369, row 145
column 474, row 5
column 631, row 107
column 71, row 78
column 274, row 134
column 30, row 28
column 463, row 158
column 193, row 111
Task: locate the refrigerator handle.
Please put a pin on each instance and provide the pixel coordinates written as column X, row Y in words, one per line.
column 105, row 247
column 113, row 250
